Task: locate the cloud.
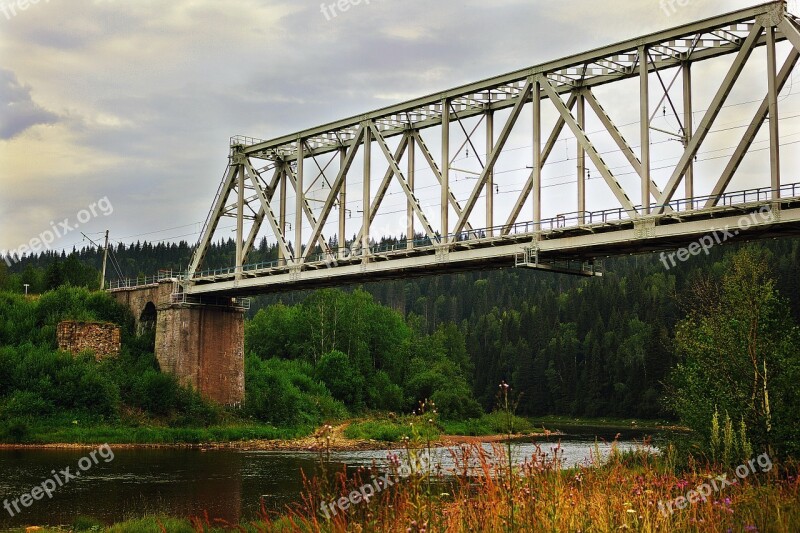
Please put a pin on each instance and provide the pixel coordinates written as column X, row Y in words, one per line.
column 20, row 112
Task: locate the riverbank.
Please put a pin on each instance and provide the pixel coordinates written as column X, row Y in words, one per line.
column 332, row 439
column 376, row 432
column 561, row 423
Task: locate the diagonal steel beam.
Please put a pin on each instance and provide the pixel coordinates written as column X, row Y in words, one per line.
column 216, row 214
column 548, row 149
column 622, row 144
column 398, row 174
column 265, row 197
column 333, row 194
column 752, row 130
column 587, row 145
column 438, row 173
column 711, row 115
column 790, row 30
column 522, row 99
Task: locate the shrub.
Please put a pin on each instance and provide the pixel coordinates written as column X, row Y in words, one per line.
column 26, row 403
column 456, row 404
column 284, row 392
column 270, row 396
column 342, row 378
column 383, row 394
column 15, row 430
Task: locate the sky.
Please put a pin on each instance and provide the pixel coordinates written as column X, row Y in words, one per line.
column 119, row 112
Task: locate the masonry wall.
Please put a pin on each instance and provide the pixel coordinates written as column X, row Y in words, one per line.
column 76, row 337
column 203, row 346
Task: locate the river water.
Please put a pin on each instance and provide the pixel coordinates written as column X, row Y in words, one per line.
column 228, row 484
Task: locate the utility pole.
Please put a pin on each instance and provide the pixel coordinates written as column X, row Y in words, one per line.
column 105, row 258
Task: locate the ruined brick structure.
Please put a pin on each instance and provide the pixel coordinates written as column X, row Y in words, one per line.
column 76, row 337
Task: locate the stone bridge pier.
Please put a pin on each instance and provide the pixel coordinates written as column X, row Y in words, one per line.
column 201, row 342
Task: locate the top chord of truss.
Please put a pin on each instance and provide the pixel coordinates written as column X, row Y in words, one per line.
column 709, row 38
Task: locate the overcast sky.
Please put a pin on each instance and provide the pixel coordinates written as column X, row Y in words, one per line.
column 135, row 100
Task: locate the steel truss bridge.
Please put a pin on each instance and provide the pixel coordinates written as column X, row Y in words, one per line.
column 270, row 187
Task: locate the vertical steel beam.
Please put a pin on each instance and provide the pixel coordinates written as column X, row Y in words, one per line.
column 299, row 199
column 342, row 207
column 240, row 221
column 545, row 154
column 774, row 132
column 581, row 104
column 490, row 177
column 282, row 211
column 410, row 207
column 366, row 190
column 445, row 199
column 644, row 114
column 537, row 155
column 688, row 125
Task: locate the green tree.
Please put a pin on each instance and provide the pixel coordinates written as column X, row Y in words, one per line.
column 738, row 347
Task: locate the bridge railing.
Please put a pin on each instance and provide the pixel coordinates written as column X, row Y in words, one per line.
column 243, row 140
column 142, row 281
column 559, row 222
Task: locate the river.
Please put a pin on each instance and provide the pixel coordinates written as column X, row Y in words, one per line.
column 228, row 484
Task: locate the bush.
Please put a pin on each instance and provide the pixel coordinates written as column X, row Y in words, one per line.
column 26, row 403
column 383, row 394
column 41, row 379
column 455, row 404
column 285, row 393
column 16, row 430
column 342, row 378
column 270, row 395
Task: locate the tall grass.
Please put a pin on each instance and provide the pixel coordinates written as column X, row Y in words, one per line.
column 482, row 493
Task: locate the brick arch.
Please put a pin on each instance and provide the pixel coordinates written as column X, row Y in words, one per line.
column 147, row 318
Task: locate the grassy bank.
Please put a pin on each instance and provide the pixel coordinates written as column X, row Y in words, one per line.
column 152, row 434
column 380, row 427
column 625, row 493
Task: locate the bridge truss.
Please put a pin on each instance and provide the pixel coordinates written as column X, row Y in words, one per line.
column 295, row 188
